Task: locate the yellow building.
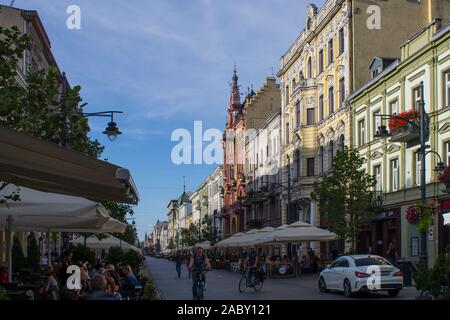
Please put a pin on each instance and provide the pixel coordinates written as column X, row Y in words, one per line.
column 328, row 61
column 396, row 163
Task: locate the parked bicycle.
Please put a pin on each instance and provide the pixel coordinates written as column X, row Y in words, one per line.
column 255, row 281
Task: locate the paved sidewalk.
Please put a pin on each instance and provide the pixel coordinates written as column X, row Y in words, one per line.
column 223, row 285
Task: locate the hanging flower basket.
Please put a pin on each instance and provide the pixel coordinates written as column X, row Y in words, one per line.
column 402, row 130
column 421, row 216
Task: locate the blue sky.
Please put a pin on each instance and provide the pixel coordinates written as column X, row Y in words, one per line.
column 165, row 63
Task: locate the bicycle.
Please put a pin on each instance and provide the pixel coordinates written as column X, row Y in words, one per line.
column 245, row 282
column 200, row 288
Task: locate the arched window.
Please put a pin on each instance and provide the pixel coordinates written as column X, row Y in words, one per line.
column 309, row 68
column 321, row 160
column 341, row 142
column 330, row 154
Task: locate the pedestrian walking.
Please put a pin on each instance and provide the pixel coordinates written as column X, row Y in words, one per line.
column 178, row 262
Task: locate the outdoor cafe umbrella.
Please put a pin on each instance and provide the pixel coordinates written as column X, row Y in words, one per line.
column 204, row 245
column 446, row 219
column 297, row 232
column 240, row 241
column 49, row 212
column 228, row 241
column 250, row 239
column 110, row 241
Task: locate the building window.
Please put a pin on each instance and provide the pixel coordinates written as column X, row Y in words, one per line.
column 341, row 92
column 417, row 168
column 321, row 108
column 331, row 100
column 297, row 114
column 376, row 121
column 393, row 107
column 310, row 114
column 341, row 143
column 447, row 152
column 297, row 163
column 310, row 167
column 287, row 132
column 395, row 176
column 320, row 61
column 377, row 177
column 417, row 95
column 361, row 133
column 330, row 52
column 286, row 92
column 310, row 75
column 330, row 155
column 321, row 160
column 341, row 41
column 447, row 87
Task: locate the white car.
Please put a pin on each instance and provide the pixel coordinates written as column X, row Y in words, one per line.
column 361, row 273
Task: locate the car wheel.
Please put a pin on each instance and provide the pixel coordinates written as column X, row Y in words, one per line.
column 347, row 289
column 393, row 293
column 322, row 285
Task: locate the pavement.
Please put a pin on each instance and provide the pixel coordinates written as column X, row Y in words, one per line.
column 223, row 285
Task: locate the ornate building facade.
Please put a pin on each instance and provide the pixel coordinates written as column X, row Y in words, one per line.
column 328, row 61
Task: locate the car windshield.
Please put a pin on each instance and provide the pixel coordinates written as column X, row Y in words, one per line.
column 372, row 261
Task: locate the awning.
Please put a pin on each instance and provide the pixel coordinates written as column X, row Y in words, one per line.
column 110, row 241
column 34, row 163
column 47, row 212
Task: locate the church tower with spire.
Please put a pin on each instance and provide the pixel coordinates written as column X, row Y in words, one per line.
column 235, row 109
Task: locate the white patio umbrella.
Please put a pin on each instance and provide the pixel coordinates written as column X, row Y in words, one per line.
column 205, row 245
column 110, row 241
column 226, row 242
column 252, row 239
column 446, row 219
column 50, row 212
column 297, row 232
column 240, row 241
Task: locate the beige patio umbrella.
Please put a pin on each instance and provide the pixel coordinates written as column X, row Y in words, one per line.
column 446, row 219
column 110, row 241
column 226, row 242
column 296, row 232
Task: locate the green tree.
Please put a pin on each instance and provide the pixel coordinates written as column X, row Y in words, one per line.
column 83, row 253
column 345, row 195
column 115, row 255
column 18, row 258
column 33, row 256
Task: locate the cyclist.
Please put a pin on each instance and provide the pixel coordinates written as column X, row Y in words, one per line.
column 252, row 262
column 197, row 264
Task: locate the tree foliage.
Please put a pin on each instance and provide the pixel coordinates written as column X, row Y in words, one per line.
column 435, row 281
column 33, row 257
column 345, row 195
column 18, row 258
column 39, row 107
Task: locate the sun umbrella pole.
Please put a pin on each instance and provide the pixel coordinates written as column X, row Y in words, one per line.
column 9, row 221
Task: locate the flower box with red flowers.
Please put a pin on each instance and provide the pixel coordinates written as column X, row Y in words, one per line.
column 403, row 130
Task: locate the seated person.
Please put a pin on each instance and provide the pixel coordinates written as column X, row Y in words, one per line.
column 98, row 292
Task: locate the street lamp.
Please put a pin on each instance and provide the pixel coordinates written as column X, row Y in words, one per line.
column 112, row 131
column 383, row 133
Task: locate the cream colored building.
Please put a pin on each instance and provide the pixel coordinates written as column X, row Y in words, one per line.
column 425, row 58
column 328, row 61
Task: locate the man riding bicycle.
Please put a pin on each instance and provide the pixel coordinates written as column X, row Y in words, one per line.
column 252, row 262
column 197, row 264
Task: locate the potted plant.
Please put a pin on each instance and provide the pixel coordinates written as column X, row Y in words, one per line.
column 444, row 178
column 403, row 130
column 420, row 215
